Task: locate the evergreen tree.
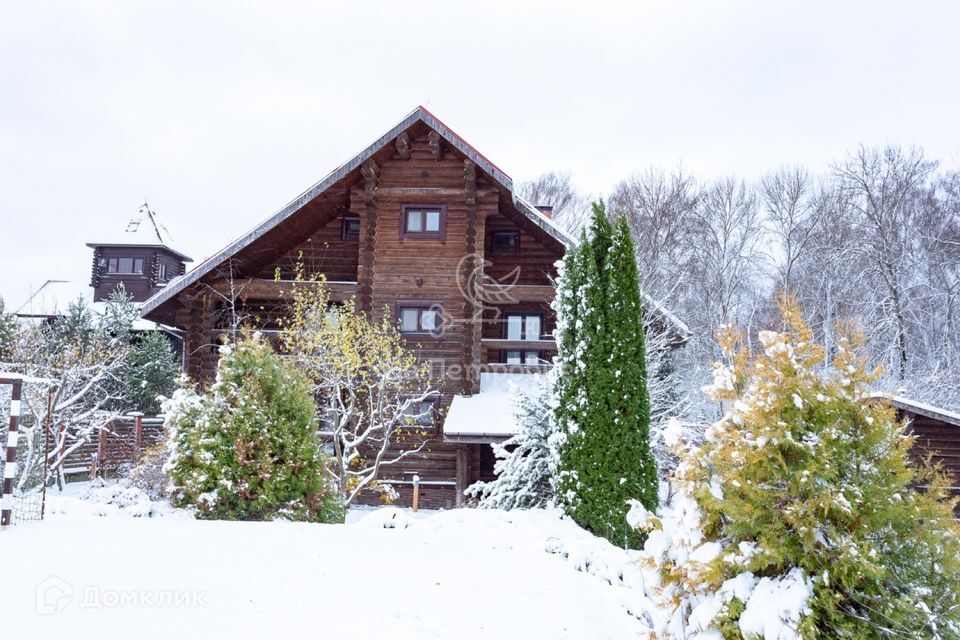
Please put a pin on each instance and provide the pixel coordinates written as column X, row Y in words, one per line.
column 150, row 371
column 807, row 481
column 249, row 448
column 526, row 462
column 8, row 332
column 602, row 407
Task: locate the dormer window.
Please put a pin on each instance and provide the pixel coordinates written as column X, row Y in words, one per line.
column 125, row 265
column 505, row 242
column 423, row 221
column 351, row 228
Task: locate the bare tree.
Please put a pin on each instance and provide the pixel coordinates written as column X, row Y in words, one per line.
column 570, row 208
column 793, row 211
column 659, row 208
column 884, row 186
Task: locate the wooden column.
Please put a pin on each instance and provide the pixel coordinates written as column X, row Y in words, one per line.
column 472, row 263
column 368, row 239
column 200, row 362
column 463, row 473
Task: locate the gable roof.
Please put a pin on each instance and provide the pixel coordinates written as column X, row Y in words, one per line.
column 420, row 114
column 142, row 229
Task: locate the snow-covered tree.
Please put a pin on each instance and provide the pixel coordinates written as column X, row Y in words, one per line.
column 801, row 515
column 248, row 449
column 374, row 397
column 151, row 371
column 527, row 462
column 8, row 332
column 602, row 406
column 82, row 358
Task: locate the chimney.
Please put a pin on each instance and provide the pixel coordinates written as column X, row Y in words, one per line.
column 546, row 210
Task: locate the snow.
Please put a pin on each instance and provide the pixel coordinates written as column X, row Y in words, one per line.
column 54, row 297
column 776, row 606
column 142, row 229
column 128, row 567
column 492, row 411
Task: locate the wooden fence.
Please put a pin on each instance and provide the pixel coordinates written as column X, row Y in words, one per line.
column 116, row 449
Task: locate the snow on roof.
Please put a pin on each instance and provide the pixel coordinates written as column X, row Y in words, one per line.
column 420, row 114
column 53, row 298
column 142, row 229
column 921, row 408
column 490, row 413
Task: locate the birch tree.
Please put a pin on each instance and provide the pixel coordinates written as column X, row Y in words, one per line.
column 375, row 400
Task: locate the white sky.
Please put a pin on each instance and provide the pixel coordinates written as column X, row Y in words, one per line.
column 219, row 113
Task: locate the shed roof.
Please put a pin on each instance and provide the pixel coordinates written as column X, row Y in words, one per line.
column 489, row 415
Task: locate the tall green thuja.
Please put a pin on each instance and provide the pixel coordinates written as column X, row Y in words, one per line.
column 603, row 408
column 628, row 402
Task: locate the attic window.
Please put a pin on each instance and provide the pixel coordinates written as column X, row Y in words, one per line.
column 423, row 221
column 351, row 227
column 505, row 242
column 133, row 225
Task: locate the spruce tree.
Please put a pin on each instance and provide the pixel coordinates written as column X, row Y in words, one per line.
column 151, row 371
column 602, row 408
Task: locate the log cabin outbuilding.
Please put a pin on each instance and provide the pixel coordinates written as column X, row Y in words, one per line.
column 424, row 228
column 936, row 434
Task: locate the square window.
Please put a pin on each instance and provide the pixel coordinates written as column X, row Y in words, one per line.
column 426, row 222
column 523, row 326
column 422, row 413
column 351, row 227
column 421, row 318
column 505, row 242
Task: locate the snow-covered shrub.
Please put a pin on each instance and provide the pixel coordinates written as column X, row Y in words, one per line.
column 148, row 476
column 249, row 448
column 799, row 516
column 526, row 463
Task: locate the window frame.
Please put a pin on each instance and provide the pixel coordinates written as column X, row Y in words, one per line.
column 502, row 232
column 440, row 234
column 133, row 262
column 162, row 272
column 504, row 334
column 344, row 233
column 420, row 306
column 434, row 425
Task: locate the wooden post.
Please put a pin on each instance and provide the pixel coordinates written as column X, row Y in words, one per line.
column 137, row 435
column 416, row 493
column 10, row 466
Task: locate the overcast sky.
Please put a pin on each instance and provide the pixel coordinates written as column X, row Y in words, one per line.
column 220, row 113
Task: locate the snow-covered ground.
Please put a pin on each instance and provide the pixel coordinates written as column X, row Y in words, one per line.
column 107, row 563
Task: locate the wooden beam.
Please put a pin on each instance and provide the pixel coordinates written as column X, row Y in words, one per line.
column 520, row 345
column 433, row 139
column 403, row 146
column 522, row 292
column 266, row 289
